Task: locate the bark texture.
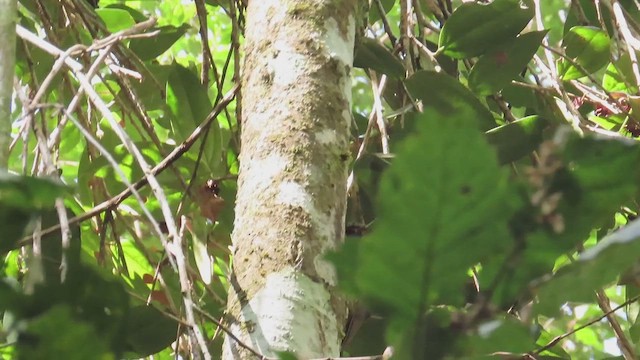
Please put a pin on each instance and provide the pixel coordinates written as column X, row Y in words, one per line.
column 8, row 15
column 291, row 198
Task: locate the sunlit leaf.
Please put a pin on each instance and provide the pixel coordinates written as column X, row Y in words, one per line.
column 135, row 14
column 616, row 75
column 589, row 47
column 116, row 19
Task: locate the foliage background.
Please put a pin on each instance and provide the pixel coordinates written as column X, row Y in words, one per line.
column 494, row 159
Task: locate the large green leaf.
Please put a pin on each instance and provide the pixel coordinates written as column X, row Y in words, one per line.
column 495, row 70
column 135, row 14
column 150, row 48
column 446, row 95
column 444, row 207
column 370, row 54
column 116, row 19
column 589, row 47
column 474, row 28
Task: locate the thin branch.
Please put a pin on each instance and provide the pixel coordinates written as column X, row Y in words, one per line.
column 559, row 338
column 235, row 45
column 50, row 169
column 405, row 34
column 207, row 57
column 385, row 22
column 196, row 337
column 623, row 343
column 177, row 152
column 367, row 135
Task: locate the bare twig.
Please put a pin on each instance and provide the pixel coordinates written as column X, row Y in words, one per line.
column 207, row 57
column 196, row 338
column 377, row 109
column 405, row 34
column 367, row 134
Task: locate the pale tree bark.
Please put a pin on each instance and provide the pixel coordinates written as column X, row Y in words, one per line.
column 292, row 184
column 8, row 15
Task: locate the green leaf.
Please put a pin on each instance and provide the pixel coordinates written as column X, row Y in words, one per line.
column 474, row 28
column 436, row 220
column 517, row 139
column 286, row 355
column 190, row 105
column 495, row 70
column 589, row 47
column 151, row 90
column 370, row 54
column 446, row 95
column 187, row 98
column 149, row 331
column 615, row 78
column 135, row 14
column 150, row 48
column 204, row 261
column 116, row 19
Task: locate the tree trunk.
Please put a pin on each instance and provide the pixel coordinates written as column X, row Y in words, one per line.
column 291, row 198
column 8, row 15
